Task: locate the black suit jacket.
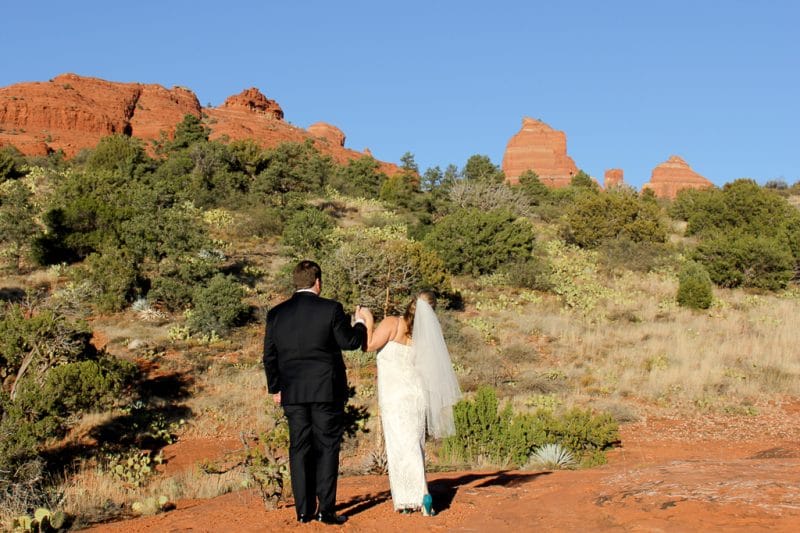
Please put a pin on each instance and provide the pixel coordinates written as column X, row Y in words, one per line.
column 303, row 347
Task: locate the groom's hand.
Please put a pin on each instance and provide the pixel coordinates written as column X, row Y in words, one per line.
column 366, row 315
column 276, row 398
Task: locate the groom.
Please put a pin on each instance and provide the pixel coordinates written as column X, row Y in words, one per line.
column 305, row 370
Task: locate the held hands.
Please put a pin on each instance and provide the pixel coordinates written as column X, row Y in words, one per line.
column 363, row 313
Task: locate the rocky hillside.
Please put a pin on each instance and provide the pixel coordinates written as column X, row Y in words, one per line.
column 72, row 112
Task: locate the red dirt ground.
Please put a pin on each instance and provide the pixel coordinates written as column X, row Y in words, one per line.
column 710, row 473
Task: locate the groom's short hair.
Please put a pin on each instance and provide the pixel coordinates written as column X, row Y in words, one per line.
column 305, row 274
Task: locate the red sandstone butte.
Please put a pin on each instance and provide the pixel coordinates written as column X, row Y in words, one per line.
column 539, row 148
column 613, row 178
column 72, row 112
column 328, row 132
column 674, row 175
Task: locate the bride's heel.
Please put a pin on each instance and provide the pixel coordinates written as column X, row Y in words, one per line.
column 427, row 506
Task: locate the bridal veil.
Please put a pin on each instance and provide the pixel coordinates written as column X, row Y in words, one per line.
column 433, row 364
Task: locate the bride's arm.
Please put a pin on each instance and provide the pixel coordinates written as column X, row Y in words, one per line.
column 378, row 338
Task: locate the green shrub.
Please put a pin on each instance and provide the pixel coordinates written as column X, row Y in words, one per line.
column 116, row 276
column 360, row 177
column 749, row 236
column 598, row 217
column 12, row 164
column 534, row 272
column 52, row 373
column 471, row 241
column 293, row 168
column 481, row 168
column 486, row 433
column 582, row 180
column 122, row 155
column 18, row 227
column 217, row 306
column 694, row 287
column 743, row 260
column 644, row 256
column 532, row 187
column 307, row 231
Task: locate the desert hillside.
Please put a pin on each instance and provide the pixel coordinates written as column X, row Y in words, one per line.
column 627, row 361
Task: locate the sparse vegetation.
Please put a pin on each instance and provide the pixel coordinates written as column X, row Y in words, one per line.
column 132, row 311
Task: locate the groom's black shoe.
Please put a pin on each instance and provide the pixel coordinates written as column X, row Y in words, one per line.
column 331, row 519
column 304, row 518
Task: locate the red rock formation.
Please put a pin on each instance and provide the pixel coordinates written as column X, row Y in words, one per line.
column 539, row 148
column 252, row 100
column 328, row 132
column 674, row 175
column 613, row 178
column 72, row 112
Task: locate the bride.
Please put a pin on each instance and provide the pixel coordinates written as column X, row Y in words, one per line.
column 416, row 388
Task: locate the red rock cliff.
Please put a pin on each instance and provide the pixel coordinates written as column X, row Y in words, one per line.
column 73, row 112
column 539, row 148
column 674, row 175
column 613, row 178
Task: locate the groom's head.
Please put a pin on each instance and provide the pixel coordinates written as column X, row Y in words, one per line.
column 306, row 274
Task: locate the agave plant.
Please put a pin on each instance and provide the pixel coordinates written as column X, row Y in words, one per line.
column 377, row 462
column 552, row 457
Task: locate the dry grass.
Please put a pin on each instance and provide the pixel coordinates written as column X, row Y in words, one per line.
column 641, row 347
column 230, row 398
column 93, row 495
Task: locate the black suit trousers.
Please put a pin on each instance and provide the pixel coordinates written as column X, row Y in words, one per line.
column 315, row 437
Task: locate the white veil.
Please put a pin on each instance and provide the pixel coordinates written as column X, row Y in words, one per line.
column 432, row 362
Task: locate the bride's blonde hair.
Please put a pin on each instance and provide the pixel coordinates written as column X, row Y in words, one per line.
column 411, row 308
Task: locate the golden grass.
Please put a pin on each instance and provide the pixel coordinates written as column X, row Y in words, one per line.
column 93, row 495
column 642, row 346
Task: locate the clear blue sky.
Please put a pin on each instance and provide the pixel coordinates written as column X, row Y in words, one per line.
column 630, row 82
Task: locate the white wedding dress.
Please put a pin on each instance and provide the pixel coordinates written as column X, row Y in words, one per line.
column 402, row 403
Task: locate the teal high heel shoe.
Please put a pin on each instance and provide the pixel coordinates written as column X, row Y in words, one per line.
column 427, row 506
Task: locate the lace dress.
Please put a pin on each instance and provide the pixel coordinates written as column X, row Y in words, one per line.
column 401, row 400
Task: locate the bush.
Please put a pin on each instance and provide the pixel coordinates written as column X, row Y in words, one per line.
column 597, row 217
column 12, row 164
column 488, row 195
column 177, row 279
column 53, row 374
column 481, row 168
column 472, row 241
column 306, row 231
column 530, row 273
column 360, row 177
column 116, row 277
column 380, row 268
column 694, row 287
column 645, row 256
column 532, row 187
column 217, row 306
column 743, row 260
column 18, row 226
column 749, row 235
column 294, row 167
column 486, row 433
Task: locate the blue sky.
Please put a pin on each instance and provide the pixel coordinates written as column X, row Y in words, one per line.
column 630, row 82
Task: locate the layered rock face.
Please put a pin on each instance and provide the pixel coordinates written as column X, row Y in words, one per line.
column 613, row 178
column 674, row 175
column 539, row 148
column 72, row 112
